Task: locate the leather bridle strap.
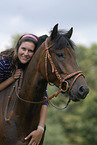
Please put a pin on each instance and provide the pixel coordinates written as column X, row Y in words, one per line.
column 49, row 57
column 40, row 102
column 80, row 74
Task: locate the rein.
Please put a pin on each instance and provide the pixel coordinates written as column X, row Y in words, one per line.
column 14, row 88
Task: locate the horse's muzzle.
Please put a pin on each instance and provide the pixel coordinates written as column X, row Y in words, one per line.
column 81, row 93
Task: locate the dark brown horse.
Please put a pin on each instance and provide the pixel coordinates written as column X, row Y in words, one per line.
column 53, row 62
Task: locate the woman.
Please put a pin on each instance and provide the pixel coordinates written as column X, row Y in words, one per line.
column 11, row 63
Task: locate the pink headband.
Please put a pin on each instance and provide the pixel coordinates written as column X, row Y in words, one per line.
column 28, row 35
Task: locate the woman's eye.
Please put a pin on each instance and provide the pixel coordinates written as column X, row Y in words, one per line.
column 23, row 48
column 31, row 51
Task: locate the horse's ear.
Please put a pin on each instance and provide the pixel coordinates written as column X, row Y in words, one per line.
column 69, row 33
column 54, row 32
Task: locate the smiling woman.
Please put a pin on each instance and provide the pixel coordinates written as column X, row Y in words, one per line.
column 26, row 51
column 17, row 58
column 13, row 63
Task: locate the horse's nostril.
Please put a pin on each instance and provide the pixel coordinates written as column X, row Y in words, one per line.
column 83, row 91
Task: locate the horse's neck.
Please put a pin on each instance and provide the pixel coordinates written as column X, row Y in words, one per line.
column 33, row 90
column 34, row 84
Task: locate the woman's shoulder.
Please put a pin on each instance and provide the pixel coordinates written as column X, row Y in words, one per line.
column 4, row 62
column 2, row 59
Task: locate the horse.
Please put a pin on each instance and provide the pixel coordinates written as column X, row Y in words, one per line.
column 20, row 103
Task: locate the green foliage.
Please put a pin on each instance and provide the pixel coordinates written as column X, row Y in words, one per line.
column 87, row 61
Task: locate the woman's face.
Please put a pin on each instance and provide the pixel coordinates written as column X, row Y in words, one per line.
column 25, row 51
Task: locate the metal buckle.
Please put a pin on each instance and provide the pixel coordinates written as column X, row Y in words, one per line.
column 64, row 84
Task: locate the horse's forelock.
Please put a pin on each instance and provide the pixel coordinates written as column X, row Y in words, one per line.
column 62, row 41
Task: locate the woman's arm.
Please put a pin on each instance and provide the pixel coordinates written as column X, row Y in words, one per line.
column 10, row 80
column 43, row 115
column 6, row 83
column 37, row 134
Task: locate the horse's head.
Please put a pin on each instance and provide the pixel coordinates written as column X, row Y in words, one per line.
column 61, row 67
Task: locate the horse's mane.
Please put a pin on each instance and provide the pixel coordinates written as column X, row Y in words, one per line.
column 62, row 40
column 41, row 39
column 62, row 43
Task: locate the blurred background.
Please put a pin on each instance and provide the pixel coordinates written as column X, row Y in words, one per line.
column 78, row 124
column 39, row 17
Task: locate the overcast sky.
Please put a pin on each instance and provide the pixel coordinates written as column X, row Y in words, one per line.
column 39, row 17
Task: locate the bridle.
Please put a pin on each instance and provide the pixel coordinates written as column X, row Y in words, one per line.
column 62, row 81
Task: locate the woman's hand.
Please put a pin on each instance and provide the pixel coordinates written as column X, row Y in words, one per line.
column 36, row 137
column 17, row 74
column 11, row 79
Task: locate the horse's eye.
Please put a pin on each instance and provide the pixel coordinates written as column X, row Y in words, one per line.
column 60, row 54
